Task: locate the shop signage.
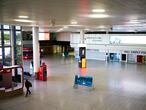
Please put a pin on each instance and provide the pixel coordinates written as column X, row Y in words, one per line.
column 93, row 50
column 93, row 39
column 135, row 52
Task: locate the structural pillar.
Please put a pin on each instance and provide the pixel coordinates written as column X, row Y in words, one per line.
column 36, row 52
column 12, row 35
column 82, row 39
column 12, row 45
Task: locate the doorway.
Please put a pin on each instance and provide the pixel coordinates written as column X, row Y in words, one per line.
column 115, row 56
column 124, row 57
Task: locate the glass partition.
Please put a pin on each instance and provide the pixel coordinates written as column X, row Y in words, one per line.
column 12, row 73
column 6, row 38
column 19, row 55
column 8, row 59
column 18, row 27
column 6, row 26
column 18, row 38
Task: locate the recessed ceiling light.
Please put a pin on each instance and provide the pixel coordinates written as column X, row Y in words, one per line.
column 25, row 17
column 98, row 15
column 74, row 22
column 23, row 20
column 98, row 10
column 134, row 22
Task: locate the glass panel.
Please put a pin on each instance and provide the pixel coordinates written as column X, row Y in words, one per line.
column 8, row 56
column 18, row 28
column 19, row 55
column 19, row 60
column 18, row 38
column 27, row 35
column 6, row 27
column 7, row 37
column 44, row 36
column 0, row 38
column 19, row 50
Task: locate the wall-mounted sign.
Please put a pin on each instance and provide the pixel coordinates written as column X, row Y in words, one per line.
column 93, row 39
column 135, row 52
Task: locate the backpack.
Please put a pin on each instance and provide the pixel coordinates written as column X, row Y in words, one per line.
column 30, row 85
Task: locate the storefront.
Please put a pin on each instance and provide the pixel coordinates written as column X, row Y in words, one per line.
column 130, row 48
column 136, row 56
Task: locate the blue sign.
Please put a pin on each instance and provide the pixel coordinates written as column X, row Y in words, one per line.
column 83, row 80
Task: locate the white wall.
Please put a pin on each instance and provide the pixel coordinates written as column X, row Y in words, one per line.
column 27, row 43
column 95, row 54
column 96, row 39
column 75, row 38
column 64, row 36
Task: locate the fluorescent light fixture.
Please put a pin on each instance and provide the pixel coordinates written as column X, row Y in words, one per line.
column 87, row 29
column 74, row 22
column 98, row 10
column 61, row 29
column 98, row 15
column 134, row 21
column 72, row 25
column 23, row 20
column 25, row 17
column 65, row 27
column 101, row 26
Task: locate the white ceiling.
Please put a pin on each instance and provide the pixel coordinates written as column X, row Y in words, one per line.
column 53, row 15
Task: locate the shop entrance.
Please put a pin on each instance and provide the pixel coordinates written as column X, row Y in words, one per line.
column 115, row 56
column 140, row 59
column 124, row 57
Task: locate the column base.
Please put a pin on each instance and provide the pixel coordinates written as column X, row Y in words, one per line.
column 36, row 75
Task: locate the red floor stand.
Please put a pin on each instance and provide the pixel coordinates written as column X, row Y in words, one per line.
column 42, row 74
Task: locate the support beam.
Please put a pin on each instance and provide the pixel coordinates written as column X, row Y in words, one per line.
column 12, row 45
column 82, row 37
column 36, row 52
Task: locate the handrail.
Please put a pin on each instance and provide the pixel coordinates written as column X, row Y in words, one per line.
column 14, row 67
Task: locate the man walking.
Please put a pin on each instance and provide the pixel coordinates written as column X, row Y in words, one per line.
column 27, row 85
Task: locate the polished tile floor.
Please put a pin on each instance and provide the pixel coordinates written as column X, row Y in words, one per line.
column 117, row 86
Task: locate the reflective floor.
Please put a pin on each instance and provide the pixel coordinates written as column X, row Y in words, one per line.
column 117, row 86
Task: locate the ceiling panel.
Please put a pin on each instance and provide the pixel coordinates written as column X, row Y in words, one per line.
column 51, row 13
